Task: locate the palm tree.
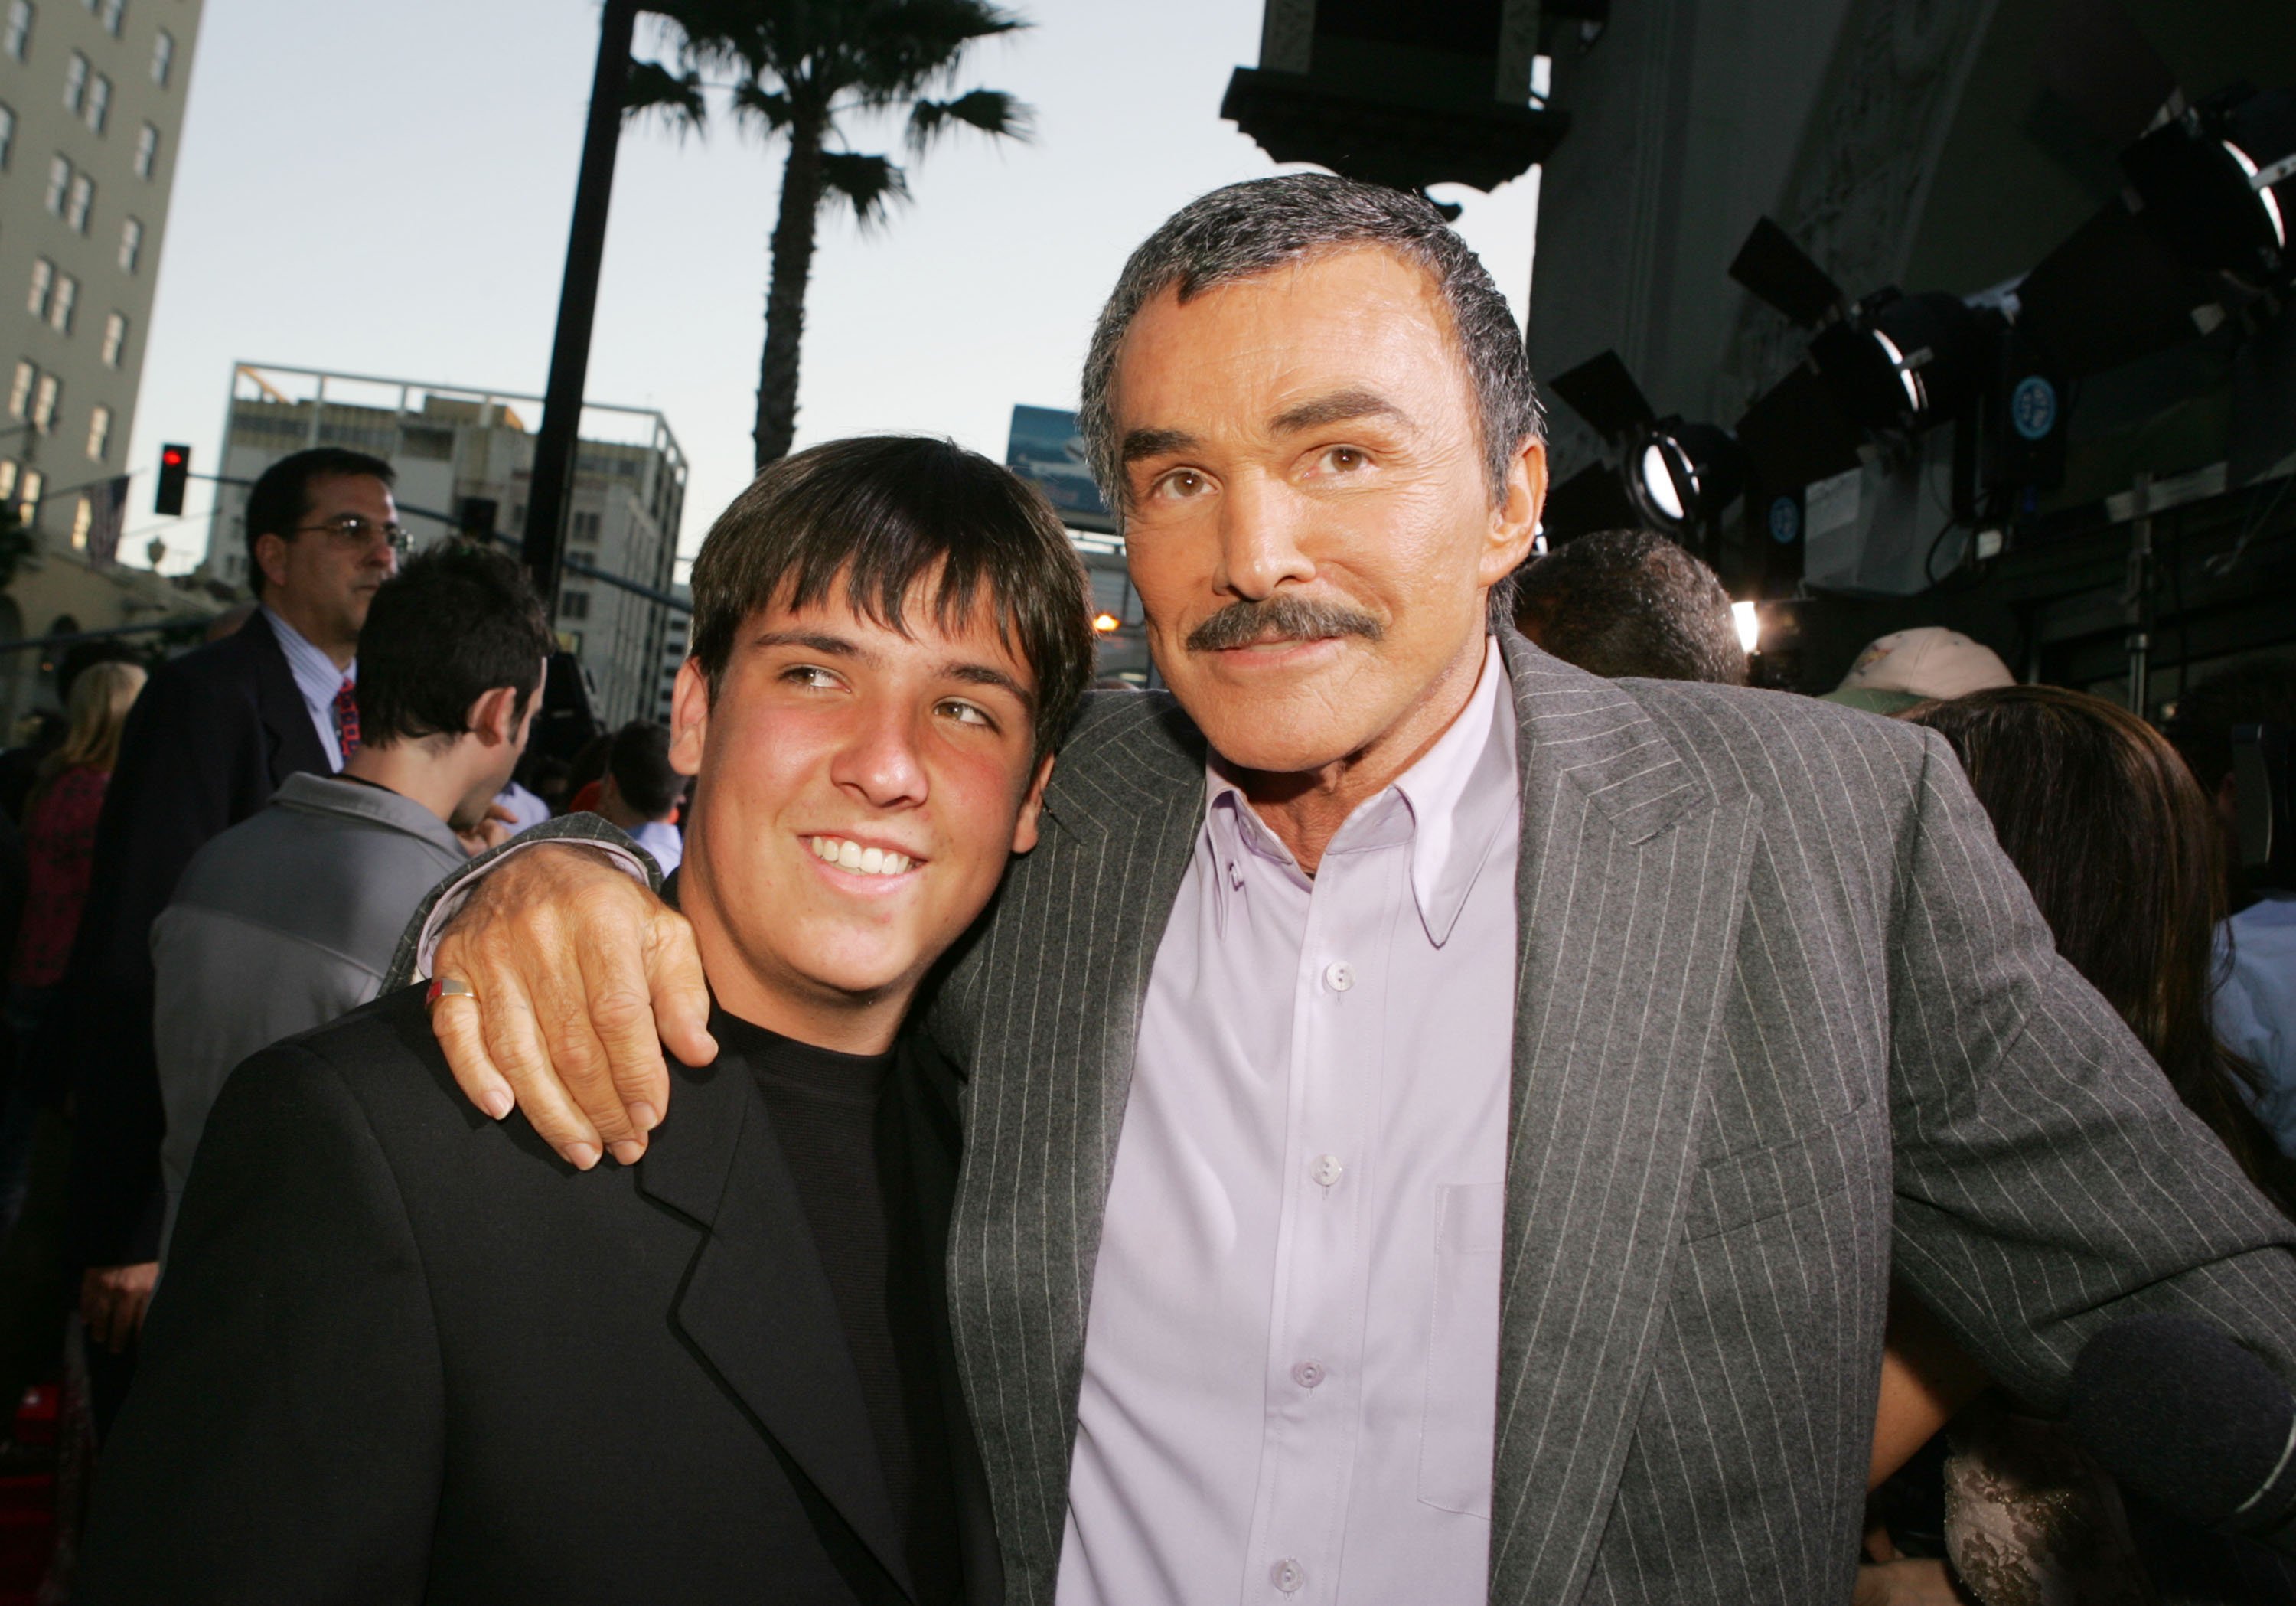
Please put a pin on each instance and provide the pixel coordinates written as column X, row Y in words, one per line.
column 801, row 69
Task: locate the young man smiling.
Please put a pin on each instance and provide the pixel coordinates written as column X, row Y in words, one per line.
column 405, row 1355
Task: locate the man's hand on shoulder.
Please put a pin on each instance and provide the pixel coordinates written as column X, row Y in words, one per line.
column 581, row 976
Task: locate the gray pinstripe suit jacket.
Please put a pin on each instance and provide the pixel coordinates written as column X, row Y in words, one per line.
column 1784, row 1016
column 1785, row 1019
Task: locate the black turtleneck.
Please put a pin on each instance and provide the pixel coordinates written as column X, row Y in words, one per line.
column 841, row 1130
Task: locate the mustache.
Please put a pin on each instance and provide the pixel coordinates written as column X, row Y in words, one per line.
column 1281, row 618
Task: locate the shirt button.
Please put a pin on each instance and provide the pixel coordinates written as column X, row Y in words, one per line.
column 1287, row 1576
column 1340, row 975
column 1308, row 1373
column 1326, row 1170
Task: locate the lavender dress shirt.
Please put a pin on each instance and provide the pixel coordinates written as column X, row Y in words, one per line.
column 1292, row 1360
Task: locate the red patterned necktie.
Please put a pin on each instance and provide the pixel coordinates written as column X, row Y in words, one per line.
column 347, row 718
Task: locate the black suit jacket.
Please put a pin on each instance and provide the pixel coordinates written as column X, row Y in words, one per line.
column 213, row 736
column 403, row 1353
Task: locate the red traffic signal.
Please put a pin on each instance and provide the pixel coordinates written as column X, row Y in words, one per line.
column 174, row 471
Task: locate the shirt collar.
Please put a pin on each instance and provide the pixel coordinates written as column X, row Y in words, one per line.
column 1451, row 807
column 345, row 797
column 316, row 674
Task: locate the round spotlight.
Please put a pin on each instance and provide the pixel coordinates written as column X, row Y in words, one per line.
column 1905, row 362
column 1658, row 481
column 1102, row 623
column 1681, row 474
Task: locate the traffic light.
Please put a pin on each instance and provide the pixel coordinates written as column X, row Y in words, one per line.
column 174, row 470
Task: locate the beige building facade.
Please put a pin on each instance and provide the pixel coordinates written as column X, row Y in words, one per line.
column 456, row 450
column 92, row 97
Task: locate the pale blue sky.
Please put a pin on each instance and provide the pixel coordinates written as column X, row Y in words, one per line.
column 384, row 190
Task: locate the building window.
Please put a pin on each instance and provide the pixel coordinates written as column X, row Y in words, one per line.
column 44, row 281
column 83, row 520
column 111, row 14
column 131, row 245
column 19, row 389
column 46, row 394
column 7, row 136
column 76, row 84
column 99, row 103
column 115, row 339
column 80, row 203
column 147, row 151
column 99, row 433
column 8, row 471
column 16, row 36
column 59, row 177
column 29, row 489
column 163, row 57
column 61, row 303
column 573, row 605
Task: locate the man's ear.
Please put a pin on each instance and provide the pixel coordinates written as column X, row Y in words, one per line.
column 689, row 719
column 1024, row 829
column 1514, row 517
column 493, row 718
column 271, row 559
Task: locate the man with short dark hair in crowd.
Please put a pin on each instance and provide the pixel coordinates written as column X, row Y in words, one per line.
column 1630, row 602
column 290, row 918
column 403, row 1354
column 641, row 789
column 214, row 735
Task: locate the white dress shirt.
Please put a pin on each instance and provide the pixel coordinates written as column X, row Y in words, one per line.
column 1292, row 1360
column 317, row 679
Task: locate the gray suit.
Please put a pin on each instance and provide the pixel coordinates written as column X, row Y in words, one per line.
column 1784, row 1018
column 282, row 923
column 1784, row 1015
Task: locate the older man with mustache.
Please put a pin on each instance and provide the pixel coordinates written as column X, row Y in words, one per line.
column 1440, row 1125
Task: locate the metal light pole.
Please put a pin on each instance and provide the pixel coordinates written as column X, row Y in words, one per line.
column 577, row 303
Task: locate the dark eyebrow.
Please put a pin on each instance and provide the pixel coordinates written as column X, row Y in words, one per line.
column 837, row 647
column 989, row 674
column 826, row 645
column 1338, row 408
column 1155, row 443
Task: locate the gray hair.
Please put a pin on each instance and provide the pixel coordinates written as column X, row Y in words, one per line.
column 1243, row 230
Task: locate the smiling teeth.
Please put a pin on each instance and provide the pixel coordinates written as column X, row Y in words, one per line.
column 852, row 856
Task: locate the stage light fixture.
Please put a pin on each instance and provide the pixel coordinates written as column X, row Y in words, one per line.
column 1684, row 474
column 1905, row 362
column 2210, row 182
column 1677, row 476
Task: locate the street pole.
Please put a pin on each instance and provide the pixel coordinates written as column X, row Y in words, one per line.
column 577, row 303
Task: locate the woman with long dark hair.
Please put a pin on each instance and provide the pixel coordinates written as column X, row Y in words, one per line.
column 2122, row 853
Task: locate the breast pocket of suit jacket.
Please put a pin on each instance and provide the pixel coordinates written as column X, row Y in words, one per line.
column 1463, row 1346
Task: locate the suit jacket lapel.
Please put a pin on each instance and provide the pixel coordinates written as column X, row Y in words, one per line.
column 1041, row 1010
column 756, row 1302
column 292, row 742
column 1631, row 876
column 928, row 1086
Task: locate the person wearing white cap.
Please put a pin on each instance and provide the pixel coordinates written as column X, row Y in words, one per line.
column 1906, row 667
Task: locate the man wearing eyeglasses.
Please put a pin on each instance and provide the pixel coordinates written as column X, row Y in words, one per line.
column 214, row 735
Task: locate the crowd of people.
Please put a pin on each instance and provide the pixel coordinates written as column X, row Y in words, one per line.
column 1425, row 1110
